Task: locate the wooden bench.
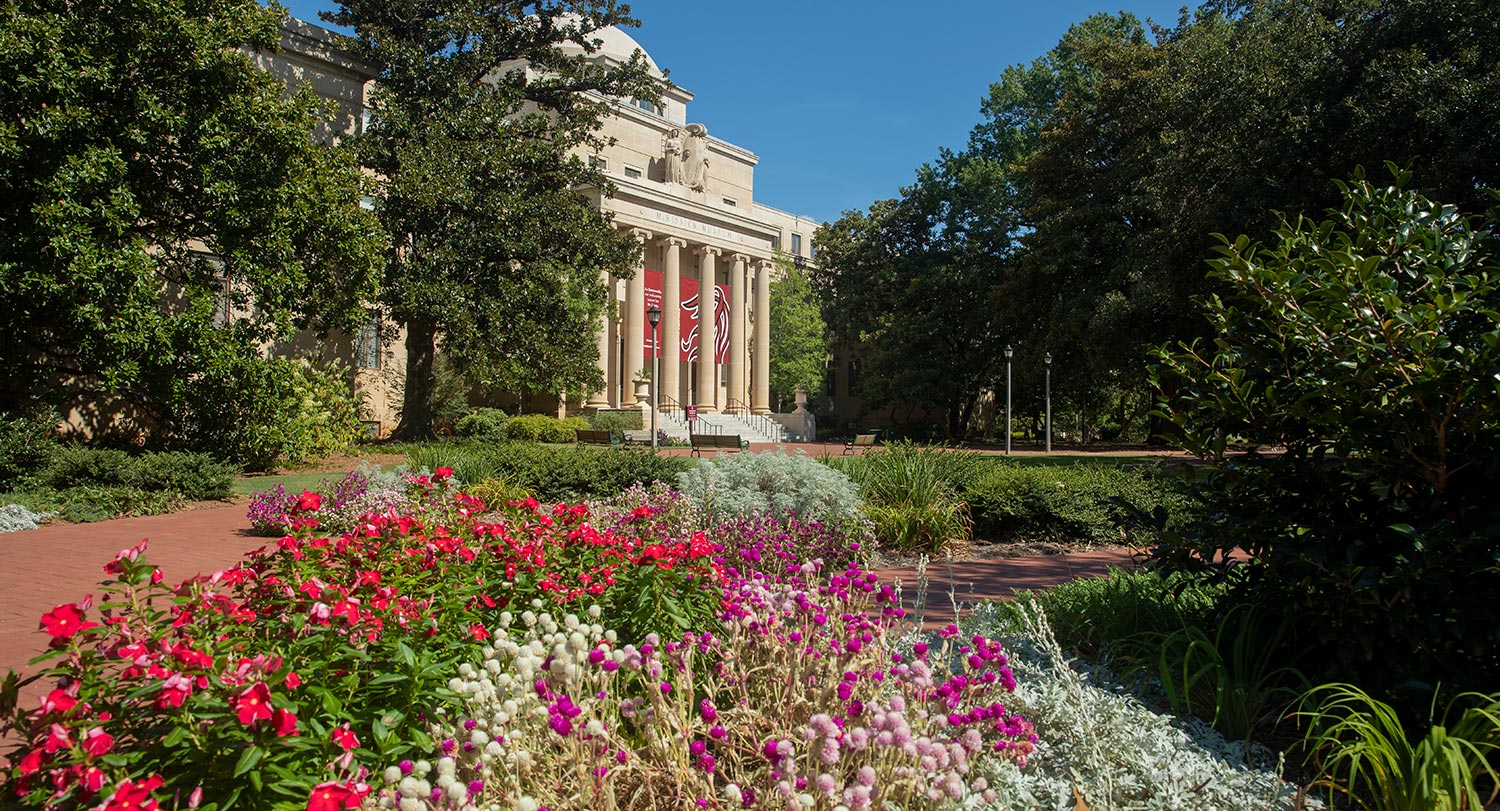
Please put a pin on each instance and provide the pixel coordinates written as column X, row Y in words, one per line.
column 589, row 436
column 860, row 441
column 718, row 442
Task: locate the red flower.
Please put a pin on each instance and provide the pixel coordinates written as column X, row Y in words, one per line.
column 309, row 501
column 59, row 700
column 98, row 742
column 334, row 797
column 254, row 704
column 64, row 621
column 57, row 738
column 31, row 763
column 442, row 473
column 132, row 796
column 284, row 723
column 480, row 634
column 345, row 738
column 293, row 681
column 93, row 780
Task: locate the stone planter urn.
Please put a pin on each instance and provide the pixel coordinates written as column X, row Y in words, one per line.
column 643, row 393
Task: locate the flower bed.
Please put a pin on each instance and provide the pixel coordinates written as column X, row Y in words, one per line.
column 298, row 678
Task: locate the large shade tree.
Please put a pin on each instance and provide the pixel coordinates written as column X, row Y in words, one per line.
column 495, row 256
column 798, row 339
column 165, row 212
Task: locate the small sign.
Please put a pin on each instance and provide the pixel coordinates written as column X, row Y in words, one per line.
column 692, row 414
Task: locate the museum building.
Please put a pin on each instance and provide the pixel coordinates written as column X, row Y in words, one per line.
column 686, row 196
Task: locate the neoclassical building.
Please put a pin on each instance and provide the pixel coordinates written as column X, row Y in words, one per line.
column 688, row 198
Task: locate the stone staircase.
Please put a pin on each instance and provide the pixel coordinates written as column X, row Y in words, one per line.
column 752, row 427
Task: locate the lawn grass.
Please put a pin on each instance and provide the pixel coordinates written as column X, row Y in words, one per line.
column 1058, row 459
column 292, row 482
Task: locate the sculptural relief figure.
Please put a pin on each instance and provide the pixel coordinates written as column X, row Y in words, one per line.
column 695, row 157
column 673, row 152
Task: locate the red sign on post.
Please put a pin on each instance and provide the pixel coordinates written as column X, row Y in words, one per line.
column 692, row 414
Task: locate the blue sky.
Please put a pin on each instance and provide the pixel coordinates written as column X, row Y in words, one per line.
column 842, row 101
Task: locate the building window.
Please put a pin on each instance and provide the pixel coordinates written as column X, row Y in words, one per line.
column 853, row 375
column 830, row 385
column 812, row 250
column 648, row 107
column 797, row 244
column 631, row 171
column 367, row 344
column 729, row 201
column 776, row 243
column 599, row 162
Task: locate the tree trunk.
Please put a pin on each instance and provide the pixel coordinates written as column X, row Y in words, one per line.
column 416, row 400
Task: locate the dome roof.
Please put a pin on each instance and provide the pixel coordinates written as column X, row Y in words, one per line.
column 616, row 46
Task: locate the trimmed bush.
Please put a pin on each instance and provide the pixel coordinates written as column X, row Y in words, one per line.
column 542, row 428
column 746, row 484
column 191, row 476
column 1086, row 503
column 484, row 422
column 617, row 422
column 550, row 473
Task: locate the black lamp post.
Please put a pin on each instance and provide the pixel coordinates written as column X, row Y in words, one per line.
column 1008, row 353
column 1047, row 359
column 654, row 316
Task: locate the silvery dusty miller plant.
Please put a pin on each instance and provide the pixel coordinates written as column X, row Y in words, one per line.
column 775, row 483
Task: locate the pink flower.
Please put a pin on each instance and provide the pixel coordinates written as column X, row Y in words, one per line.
column 98, row 742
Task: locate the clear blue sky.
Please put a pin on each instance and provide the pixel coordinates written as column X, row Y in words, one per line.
column 843, row 101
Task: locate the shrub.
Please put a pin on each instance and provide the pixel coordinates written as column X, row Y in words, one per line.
column 551, row 473
column 496, row 493
column 1085, row 503
column 542, row 428
column 1367, row 346
column 484, row 422
column 88, row 503
column 26, row 445
column 617, row 422
column 194, row 476
column 747, row 484
column 79, row 466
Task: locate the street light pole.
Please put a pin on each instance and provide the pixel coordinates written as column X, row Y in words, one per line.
column 1008, row 353
column 1047, row 359
column 654, row 316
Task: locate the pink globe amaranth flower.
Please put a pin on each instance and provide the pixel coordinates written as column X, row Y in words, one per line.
column 707, row 710
column 920, row 649
column 697, row 747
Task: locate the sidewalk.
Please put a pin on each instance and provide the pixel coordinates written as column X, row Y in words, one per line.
column 60, row 564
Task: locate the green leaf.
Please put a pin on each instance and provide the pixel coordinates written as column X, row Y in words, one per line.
column 248, row 759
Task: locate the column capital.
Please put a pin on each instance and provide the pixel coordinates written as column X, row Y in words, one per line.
column 765, row 265
column 741, row 258
column 672, row 242
column 641, row 234
column 708, row 250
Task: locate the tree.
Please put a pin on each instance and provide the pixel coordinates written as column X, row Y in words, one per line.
column 152, row 178
column 1368, row 346
column 799, row 339
column 495, row 255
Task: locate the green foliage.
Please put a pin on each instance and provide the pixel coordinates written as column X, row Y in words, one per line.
column 551, row 473
column 191, row 476
column 1363, row 750
column 799, row 338
column 1230, row 676
column 1086, row 503
column 1111, row 617
column 154, row 179
column 88, row 503
column 499, row 255
column 616, row 422
column 278, row 410
column 744, row 484
column 26, row 445
column 497, row 492
column 483, row 422
column 910, row 495
column 1367, row 345
column 544, row 428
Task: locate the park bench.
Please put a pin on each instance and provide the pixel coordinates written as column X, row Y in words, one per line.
column 718, row 442
column 860, row 441
column 590, row 436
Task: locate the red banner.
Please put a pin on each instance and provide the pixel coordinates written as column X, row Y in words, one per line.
column 688, row 318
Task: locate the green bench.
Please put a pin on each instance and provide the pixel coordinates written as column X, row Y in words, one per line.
column 590, row 436
column 860, row 441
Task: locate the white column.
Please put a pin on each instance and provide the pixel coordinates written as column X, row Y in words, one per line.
column 760, row 399
column 737, row 346
column 706, row 395
column 671, row 318
column 635, row 322
column 600, row 398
